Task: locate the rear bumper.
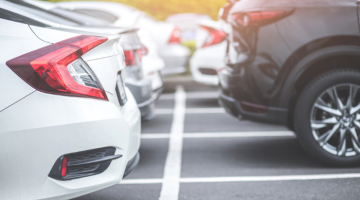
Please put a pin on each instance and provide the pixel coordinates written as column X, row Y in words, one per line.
column 239, row 100
column 206, row 61
column 147, row 108
column 176, row 58
column 40, row 128
column 132, row 164
column 235, row 108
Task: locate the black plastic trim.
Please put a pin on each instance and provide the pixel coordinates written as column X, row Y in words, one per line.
column 96, row 161
column 131, row 165
column 95, row 165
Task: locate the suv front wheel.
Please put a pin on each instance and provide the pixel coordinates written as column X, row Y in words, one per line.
column 327, row 118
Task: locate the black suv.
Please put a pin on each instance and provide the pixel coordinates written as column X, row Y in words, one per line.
column 298, row 63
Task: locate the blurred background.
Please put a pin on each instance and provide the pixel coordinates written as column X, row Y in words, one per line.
column 180, row 12
column 161, row 9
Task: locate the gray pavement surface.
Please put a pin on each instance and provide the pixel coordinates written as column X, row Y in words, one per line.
column 213, row 157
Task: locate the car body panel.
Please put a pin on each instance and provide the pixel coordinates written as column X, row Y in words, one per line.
column 42, row 127
column 273, row 54
column 19, row 35
column 113, row 46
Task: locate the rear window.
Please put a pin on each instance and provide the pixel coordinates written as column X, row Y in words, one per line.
column 43, row 13
column 98, row 14
column 8, row 15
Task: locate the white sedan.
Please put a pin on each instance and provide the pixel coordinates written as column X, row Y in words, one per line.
column 64, row 112
column 211, row 52
column 142, row 75
column 166, row 36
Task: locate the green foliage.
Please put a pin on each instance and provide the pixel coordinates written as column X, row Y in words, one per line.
column 161, row 9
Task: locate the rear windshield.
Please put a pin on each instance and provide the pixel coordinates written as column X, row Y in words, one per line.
column 8, row 15
column 48, row 15
column 98, row 14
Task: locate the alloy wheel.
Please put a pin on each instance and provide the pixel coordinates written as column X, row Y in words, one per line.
column 335, row 120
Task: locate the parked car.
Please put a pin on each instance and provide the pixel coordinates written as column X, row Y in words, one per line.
column 166, row 36
column 188, row 24
column 68, row 125
column 211, row 44
column 298, row 64
column 141, row 87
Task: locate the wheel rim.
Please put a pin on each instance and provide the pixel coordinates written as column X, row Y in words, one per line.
column 335, row 120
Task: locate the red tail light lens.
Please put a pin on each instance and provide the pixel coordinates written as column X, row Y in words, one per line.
column 64, row 166
column 141, row 52
column 260, row 18
column 130, row 58
column 175, row 37
column 59, row 69
column 215, row 36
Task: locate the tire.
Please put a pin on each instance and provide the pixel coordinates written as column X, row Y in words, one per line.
column 309, row 118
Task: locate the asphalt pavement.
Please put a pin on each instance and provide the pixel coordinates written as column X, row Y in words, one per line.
column 193, row 150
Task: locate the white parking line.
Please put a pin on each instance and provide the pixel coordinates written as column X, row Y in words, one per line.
column 248, row 178
column 191, row 111
column 170, row 186
column 141, row 181
column 192, row 95
column 223, row 134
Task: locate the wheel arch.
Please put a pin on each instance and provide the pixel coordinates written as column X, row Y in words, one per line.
column 312, row 64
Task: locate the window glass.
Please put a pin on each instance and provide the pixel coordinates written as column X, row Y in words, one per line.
column 98, row 14
column 8, row 15
column 79, row 17
column 44, row 13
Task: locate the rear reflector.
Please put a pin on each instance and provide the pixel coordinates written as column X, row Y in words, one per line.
column 59, row 69
column 175, row 37
column 260, row 18
column 215, row 36
column 64, row 166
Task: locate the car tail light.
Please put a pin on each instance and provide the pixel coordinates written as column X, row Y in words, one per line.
column 59, row 69
column 260, row 18
column 141, row 52
column 215, row 36
column 175, row 37
column 130, row 58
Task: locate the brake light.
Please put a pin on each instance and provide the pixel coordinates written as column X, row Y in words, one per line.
column 175, row 37
column 215, row 37
column 130, row 58
column 141, row 52
column 64, row 166
column 59, row 69
column 260, row 18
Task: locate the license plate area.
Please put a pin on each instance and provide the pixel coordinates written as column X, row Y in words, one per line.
column 120, row 90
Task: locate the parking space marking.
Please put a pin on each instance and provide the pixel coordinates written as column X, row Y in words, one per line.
column 192, row 111
column 193, row 95
column 141, row 181
column 171, row 185
column 223, row 134
column 248, row 178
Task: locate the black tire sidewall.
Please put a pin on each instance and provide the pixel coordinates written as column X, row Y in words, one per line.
column 303, row 115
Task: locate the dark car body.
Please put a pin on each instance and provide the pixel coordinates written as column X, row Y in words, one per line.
column 276, row 60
